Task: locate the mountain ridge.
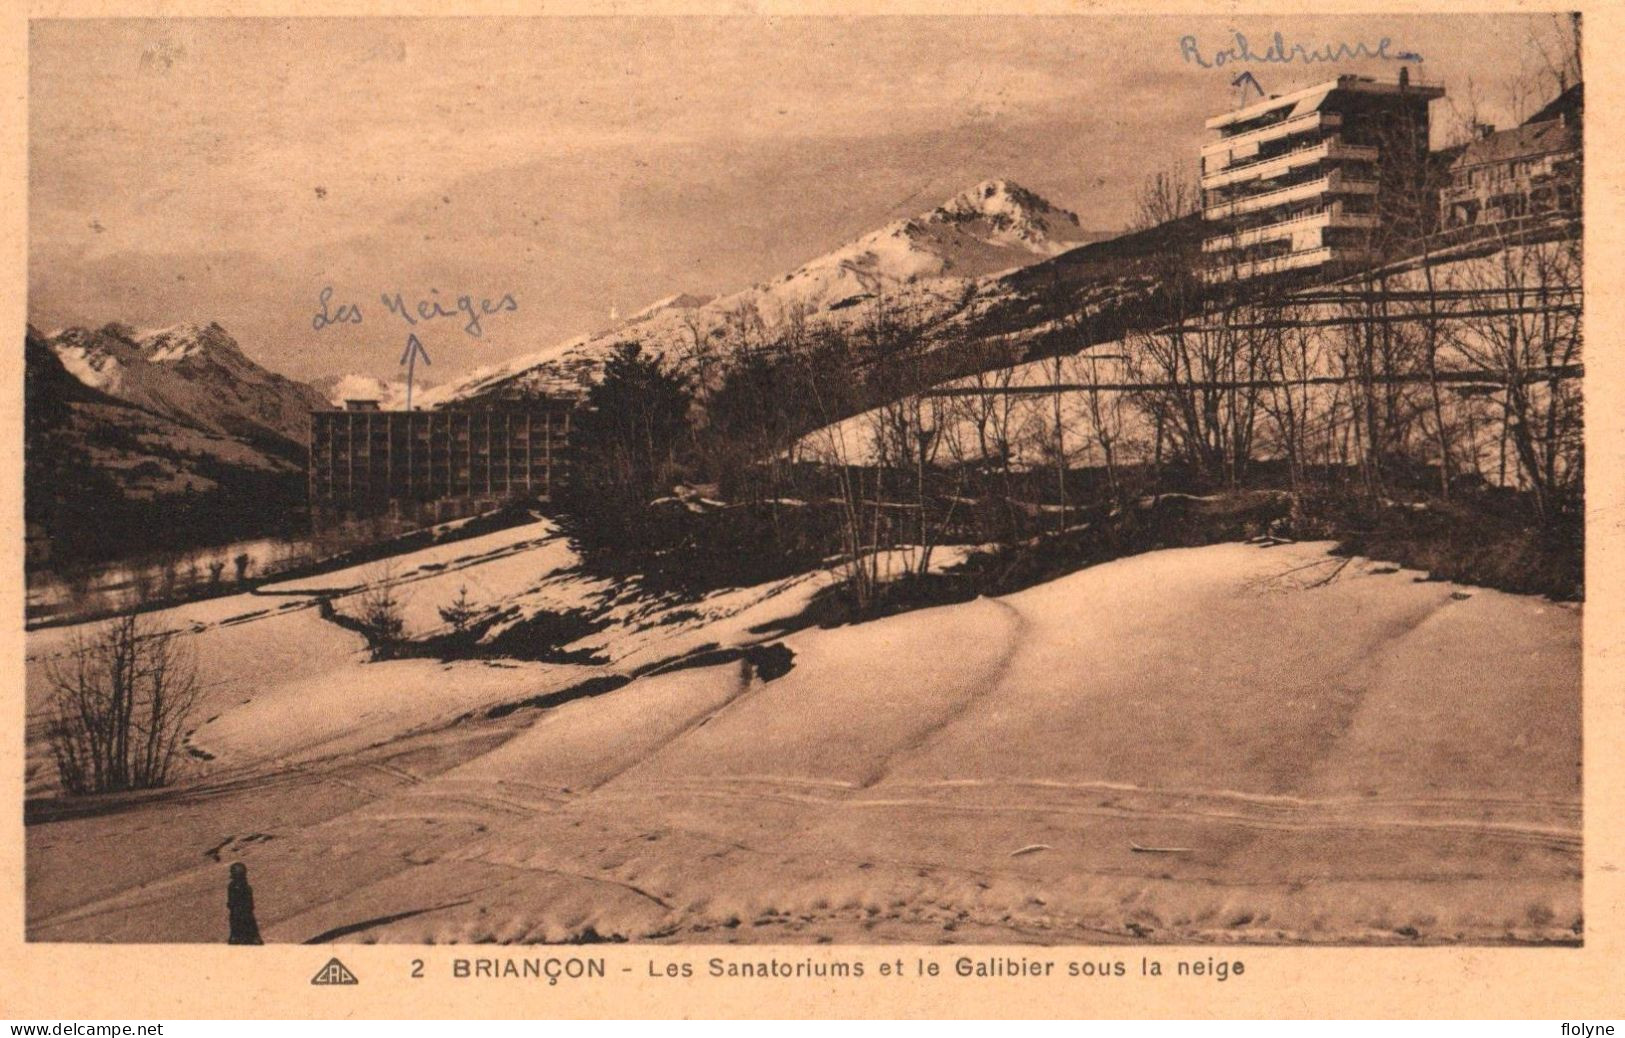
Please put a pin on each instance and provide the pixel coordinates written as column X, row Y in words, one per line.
column 930, row 264
column 194, row 374
column 108, row 477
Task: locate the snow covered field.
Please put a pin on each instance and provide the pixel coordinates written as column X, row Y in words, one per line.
column 1224, row 743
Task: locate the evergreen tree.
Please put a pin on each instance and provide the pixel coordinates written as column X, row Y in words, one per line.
column 628, row 439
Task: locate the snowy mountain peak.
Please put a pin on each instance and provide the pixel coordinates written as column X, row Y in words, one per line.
column 181, row 341
column 193, row 373
column 992, row 197
column 680, row 301
column 925, row 265
column 991, row 228
column 1013, row 215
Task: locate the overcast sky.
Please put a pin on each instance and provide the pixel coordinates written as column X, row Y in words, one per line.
column 197, row 170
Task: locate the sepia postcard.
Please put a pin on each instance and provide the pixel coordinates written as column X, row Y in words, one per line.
column 1074, row 510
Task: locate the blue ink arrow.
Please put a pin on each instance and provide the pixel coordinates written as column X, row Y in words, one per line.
column 1243, row 81
column 410, row 359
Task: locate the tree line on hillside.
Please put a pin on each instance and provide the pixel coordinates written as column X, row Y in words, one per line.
column 1441, row 379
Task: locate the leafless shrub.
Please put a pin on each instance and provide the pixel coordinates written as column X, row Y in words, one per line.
column 1531, row 337
column 120, row 702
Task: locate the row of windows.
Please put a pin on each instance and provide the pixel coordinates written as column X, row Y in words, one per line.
column 1486, row 176
column 1353, row 170
column 342, row 430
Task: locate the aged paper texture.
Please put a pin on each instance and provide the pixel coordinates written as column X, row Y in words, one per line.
column 813, row 510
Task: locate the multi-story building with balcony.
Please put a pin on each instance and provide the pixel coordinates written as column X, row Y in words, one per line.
column 1296, row 182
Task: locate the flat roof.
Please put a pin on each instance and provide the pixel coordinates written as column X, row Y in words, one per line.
column 1360, row 84
column 500, row 404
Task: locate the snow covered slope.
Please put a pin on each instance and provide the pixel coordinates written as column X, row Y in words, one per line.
column 101, row 469
column 195, row 374
column 929, row 265
column 1230, row 743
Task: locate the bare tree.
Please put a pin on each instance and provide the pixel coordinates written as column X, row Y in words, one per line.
column 1408, row 220
column 1201, row 388
column 1103, row 417
column 700, row 352
column 1558, row 49
column 120, row 703
column 906, row 426
column 1165, row 196
column 1293, row 355
column 857, row 487
column 1465, row 103
column 1532, row 338
column 1186, row 356
column 994, row 414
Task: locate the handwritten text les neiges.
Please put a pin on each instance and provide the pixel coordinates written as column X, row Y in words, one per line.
column 466, row 308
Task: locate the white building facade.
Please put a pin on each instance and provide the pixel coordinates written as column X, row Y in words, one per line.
column 1295, row 182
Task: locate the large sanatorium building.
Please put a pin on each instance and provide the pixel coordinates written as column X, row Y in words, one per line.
column 1294, row 182
column 366, row 461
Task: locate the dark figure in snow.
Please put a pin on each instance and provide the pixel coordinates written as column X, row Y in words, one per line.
column 245, row 929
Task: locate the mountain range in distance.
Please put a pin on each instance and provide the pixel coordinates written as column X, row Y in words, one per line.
column 931, row 265
column 196, row 375
column 123, row 420
column 122, row 468
column 389, row 393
